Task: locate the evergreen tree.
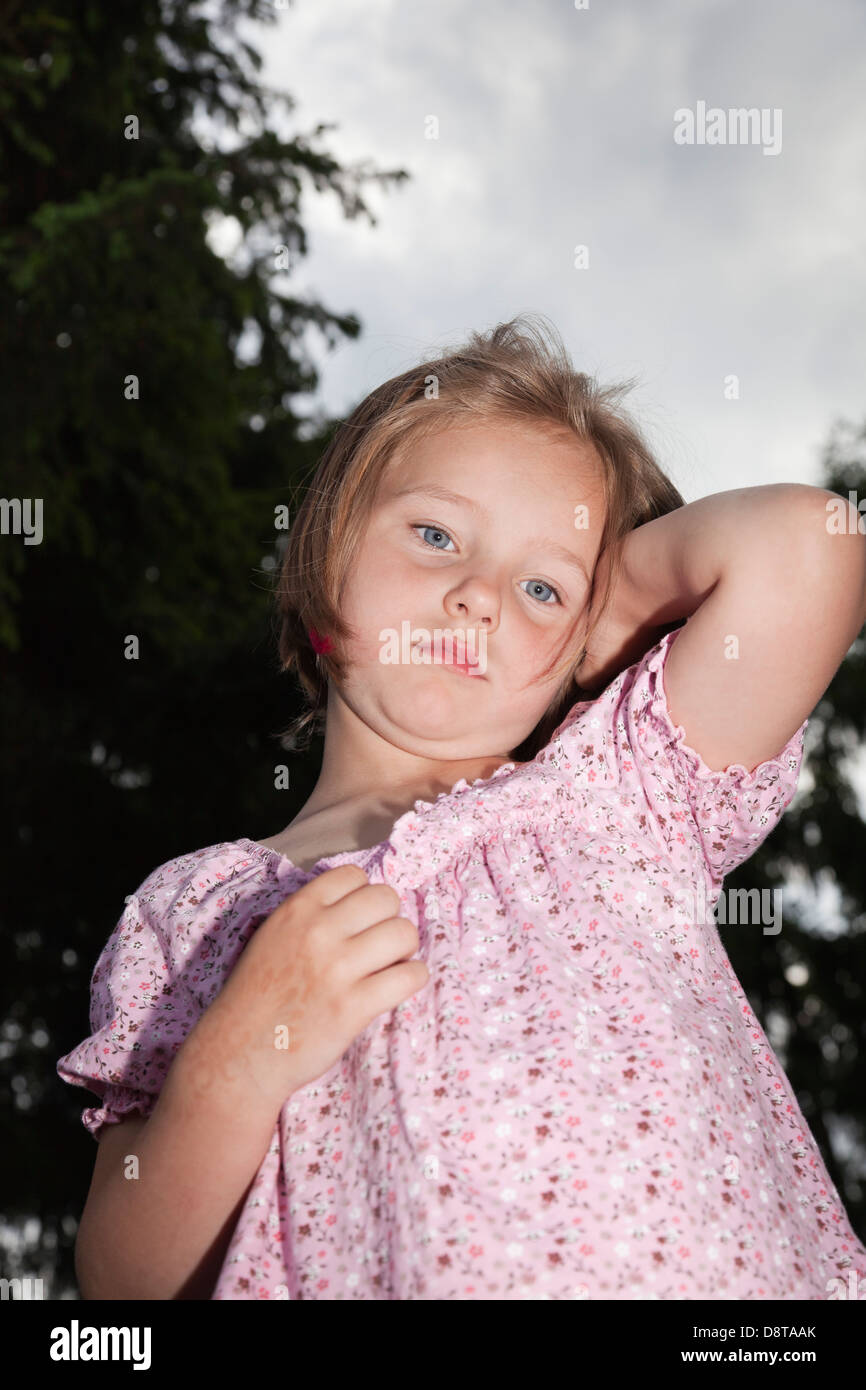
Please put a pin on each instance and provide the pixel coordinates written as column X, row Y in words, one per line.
column 805, row 983
column 151, row 399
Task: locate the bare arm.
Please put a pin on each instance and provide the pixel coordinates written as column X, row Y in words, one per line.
column 328, row 960
column 164, row 1234
column 774, row 589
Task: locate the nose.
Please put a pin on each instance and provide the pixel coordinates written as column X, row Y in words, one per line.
column 474, row 601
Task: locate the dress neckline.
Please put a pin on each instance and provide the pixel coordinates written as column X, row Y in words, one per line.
column 345, row 856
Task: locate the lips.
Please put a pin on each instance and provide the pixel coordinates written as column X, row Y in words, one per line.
column 447, row 656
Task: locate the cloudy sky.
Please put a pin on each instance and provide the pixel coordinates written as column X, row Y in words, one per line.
column 556, row 130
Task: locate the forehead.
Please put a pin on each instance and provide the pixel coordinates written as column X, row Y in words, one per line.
column 477, row 452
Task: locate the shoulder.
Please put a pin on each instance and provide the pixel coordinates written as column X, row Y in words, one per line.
column 628, row 740
column 630, row 728
column 197, row 909
column 229, row 885
column 190, row 879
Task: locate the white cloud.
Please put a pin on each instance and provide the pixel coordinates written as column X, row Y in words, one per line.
column 556, row 128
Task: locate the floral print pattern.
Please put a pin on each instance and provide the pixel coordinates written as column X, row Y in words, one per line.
column 579, row 1104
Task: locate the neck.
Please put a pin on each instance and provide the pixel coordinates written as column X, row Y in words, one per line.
column 359, row 767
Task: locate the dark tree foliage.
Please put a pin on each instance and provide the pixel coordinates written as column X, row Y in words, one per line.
column 158, row 512
column 816, row 1022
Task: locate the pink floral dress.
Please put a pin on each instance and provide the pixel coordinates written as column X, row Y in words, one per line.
column 579, row 1104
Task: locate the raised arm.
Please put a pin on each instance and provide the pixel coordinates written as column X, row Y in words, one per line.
column 772, row 581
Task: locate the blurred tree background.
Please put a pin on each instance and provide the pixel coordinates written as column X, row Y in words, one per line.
column 806, row 984
column 159, row 501
column 159, row 511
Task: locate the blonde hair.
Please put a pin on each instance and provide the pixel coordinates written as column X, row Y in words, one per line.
column 520, row 371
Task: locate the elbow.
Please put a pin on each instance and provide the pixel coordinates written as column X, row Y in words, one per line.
column 839, row 516
column 838, row 559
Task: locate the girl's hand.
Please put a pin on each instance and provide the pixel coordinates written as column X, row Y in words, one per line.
column 620, row 638
column 331, row 958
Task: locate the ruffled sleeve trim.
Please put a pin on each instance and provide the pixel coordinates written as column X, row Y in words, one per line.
column 117, row 1103
column 785, row 762
column 733, row 809
column 158, row 971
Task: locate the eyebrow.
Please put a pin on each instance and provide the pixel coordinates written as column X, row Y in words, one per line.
column 445, row 494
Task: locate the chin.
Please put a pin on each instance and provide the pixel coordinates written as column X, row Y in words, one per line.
column 429, row 718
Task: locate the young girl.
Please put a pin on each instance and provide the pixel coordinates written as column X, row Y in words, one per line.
column 462, row 1030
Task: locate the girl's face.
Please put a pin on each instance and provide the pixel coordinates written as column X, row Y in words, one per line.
column 507, row 559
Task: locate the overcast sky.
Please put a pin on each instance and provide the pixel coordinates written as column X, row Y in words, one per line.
column 556, row 129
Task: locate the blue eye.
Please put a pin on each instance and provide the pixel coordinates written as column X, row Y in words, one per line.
column 539, row 583
column 437, row 531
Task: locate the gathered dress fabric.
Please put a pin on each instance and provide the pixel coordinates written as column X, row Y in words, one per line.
column 579, row 1104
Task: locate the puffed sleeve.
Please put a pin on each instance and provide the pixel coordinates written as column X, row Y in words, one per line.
column 726, row 813
column 139, row 1015
column 622, row 753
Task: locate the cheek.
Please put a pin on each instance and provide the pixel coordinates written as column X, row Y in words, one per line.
column 379, row 596
column 535, row 643
column 384, row 590
column 530, row 651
